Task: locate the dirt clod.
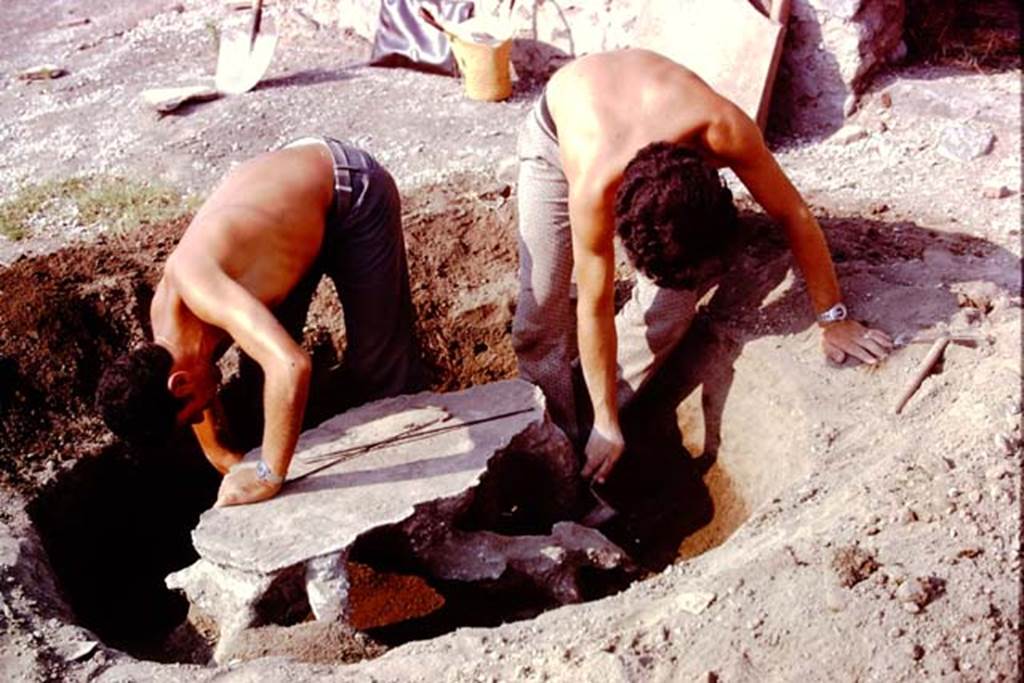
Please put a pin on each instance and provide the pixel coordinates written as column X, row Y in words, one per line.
column 853, row 564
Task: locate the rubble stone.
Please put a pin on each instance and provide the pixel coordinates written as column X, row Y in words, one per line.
column 966, row 143
column 848, row 135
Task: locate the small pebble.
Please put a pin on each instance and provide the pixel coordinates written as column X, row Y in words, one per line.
column 1004, row 443
column 965, row 143
column 848, row 134
column 912, row 590
column 998, row 471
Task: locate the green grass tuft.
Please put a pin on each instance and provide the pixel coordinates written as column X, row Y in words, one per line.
column 105, row 202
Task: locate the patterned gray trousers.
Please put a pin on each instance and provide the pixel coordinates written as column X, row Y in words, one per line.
column 544, row 330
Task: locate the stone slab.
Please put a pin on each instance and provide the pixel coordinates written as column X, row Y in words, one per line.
column 324, row 512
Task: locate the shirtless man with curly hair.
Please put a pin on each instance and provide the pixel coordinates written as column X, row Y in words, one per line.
column 628, row 143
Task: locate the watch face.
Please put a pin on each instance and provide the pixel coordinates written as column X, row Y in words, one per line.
column 834, row 314
column 264, row 473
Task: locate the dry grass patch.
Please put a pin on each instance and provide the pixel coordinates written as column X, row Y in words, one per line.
column 93, row 202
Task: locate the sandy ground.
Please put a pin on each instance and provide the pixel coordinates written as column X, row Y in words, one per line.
column 836, row 540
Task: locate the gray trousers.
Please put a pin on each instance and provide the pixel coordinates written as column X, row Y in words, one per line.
column 363, row 253
column 544, row 330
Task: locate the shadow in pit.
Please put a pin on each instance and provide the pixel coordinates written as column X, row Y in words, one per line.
column 114, row 527
column 662, row 492
column 809, row 108
column 522, row 508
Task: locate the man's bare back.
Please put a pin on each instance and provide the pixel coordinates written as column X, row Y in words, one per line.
column 263, row 225
column 654, row 99
column 245, row 250
column 268, row 232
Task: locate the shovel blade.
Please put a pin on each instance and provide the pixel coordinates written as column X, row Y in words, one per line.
column 241, row 65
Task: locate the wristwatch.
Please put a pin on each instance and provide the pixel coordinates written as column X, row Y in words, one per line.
column 265, row 474
column 834, row 314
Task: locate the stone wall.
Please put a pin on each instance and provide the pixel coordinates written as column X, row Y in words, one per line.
column 832, row 48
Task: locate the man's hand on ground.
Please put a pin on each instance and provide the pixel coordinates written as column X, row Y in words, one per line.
column 241, row 486
column 604, row 448
column 850, row 337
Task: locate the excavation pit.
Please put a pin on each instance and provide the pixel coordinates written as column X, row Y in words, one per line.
column 673, row 502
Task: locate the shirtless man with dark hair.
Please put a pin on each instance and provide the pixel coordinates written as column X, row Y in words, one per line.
column 588, row 169
column 244, row 272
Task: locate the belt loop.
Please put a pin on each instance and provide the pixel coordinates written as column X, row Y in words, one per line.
column 342, row 179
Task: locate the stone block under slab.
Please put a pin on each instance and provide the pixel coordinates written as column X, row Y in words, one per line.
column 431, row 452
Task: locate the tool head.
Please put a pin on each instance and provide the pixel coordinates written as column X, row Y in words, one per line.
column 601, row 513
column 243, row 57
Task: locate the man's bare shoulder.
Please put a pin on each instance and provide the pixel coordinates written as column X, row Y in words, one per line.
column 732, row 137
column 191, row 260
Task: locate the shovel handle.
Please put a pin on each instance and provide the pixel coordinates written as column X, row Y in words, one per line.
column 257, row 19
column 779, row 11
column 428, row 17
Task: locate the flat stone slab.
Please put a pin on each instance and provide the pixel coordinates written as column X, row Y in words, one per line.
column 321, row 512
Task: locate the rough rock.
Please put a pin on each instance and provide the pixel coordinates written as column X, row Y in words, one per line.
column 918, row 591
column 432, row 456
column 848, row 135
column 853, row 564
column 552, row 564
column 965, row 143
column 996, row 191
column 833, row 47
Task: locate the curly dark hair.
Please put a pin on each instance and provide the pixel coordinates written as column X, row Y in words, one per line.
column 133, row 397
column 672, row 212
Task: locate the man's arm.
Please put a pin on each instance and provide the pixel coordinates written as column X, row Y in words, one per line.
column 739, row 142
column 590, row 214
column 220, row 301
column 207, row 433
